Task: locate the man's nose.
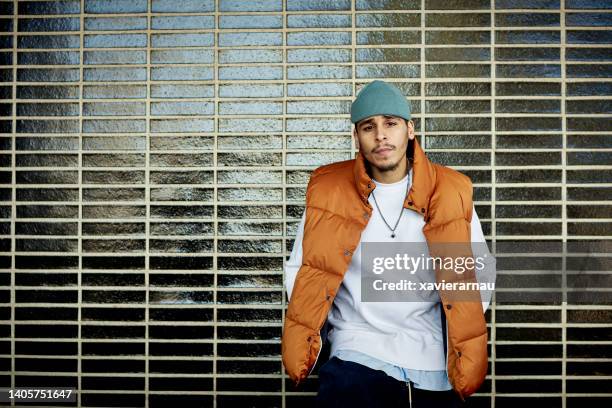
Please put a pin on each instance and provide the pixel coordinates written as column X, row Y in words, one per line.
column 380, row 133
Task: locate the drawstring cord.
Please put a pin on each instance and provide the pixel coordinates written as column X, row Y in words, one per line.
column 409, row 394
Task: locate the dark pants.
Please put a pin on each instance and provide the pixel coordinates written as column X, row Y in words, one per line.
column 349, row 384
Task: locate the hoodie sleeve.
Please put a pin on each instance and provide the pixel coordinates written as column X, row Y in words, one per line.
column 292, row 266
column 487, row 274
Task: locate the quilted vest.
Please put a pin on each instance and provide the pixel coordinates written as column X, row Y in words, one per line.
column 337, row 211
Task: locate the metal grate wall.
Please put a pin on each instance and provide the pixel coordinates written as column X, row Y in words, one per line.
column 155, row 157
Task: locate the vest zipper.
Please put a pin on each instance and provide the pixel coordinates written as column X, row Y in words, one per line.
column 327, row 298
column 318, row 354
column 447, row 346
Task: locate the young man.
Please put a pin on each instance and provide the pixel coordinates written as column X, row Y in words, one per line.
column 386, row 354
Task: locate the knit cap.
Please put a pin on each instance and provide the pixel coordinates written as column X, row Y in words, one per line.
column 379, row 98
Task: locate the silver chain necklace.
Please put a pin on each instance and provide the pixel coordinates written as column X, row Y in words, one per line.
column 398, row 218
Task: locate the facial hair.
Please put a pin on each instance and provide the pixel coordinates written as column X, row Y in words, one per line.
column 388, row 166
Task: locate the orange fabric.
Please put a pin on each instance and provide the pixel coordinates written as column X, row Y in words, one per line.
column 337, row 211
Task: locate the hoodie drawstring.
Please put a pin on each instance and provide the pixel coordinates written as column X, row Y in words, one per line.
column 409, row 394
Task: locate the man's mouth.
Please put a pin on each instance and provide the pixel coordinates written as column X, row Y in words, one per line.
column 383, row 149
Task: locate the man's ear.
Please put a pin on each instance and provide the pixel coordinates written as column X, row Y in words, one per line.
column 356, row 138
column 410, row 125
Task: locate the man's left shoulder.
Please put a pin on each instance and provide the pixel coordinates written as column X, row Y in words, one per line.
column 449, row 178
column 454, row 190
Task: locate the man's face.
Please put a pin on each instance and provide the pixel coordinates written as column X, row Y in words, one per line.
column 383, row 140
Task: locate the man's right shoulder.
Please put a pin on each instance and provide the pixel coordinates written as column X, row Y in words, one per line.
column 332, row 172
column 331, row 178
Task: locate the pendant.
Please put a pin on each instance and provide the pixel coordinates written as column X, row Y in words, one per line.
column 393, row 235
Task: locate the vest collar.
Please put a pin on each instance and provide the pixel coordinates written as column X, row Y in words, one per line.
column 423, row 181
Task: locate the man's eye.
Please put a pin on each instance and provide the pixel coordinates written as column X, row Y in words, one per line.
column 367, row 128
column 391, row 123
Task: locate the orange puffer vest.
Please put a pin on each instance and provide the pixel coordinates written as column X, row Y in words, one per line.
column 337, row 211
